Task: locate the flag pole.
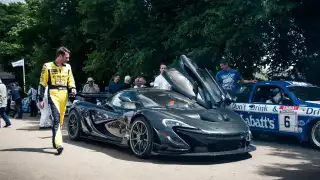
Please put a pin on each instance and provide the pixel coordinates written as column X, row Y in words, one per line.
column 21, row 63
column 24, row 80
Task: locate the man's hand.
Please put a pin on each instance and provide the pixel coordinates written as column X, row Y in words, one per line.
column 73, row 92
column 254, row 81
column 41, row 104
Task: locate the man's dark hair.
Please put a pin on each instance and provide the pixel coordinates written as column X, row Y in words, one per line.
column 62, row 51
column 224, row 62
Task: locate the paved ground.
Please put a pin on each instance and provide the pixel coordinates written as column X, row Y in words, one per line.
column 26, row 154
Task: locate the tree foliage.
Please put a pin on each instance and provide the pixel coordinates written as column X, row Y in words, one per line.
column 133, row 36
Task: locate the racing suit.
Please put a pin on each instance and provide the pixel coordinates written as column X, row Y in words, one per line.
column 59, row 80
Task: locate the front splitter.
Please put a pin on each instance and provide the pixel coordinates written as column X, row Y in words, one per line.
column 248, row 149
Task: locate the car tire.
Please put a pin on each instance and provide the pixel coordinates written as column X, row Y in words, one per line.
column 74, row 122
column 140, row 142
column 314, row 129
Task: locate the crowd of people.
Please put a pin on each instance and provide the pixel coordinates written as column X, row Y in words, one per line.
column 227, row 77
column 11, row 101
column 116, row 85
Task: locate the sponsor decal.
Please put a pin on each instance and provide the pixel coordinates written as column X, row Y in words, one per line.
column 293, row 108
column 260, row 108
column 262, row 122
column 288, row 109
column 275, row 110
column 313, row 111
column 239, row 107
column 301, row 123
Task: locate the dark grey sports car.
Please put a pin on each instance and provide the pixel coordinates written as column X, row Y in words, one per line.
column 192, row 119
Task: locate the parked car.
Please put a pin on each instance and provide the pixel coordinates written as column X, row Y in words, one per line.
column 281, row 107
column 191, row 119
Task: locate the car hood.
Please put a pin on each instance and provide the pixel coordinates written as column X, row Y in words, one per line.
column 216, row 121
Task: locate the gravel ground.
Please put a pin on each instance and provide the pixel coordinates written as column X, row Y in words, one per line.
column 26, row 154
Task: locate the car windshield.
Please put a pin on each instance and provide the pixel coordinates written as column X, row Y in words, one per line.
column 167, row 99
column 306, row 93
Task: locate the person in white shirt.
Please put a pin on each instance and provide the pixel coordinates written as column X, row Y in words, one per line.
column 160, row 82
column 3, row 104
column 91, row 87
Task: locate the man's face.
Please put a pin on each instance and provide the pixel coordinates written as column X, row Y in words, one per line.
column 90, row 83
column 64, row 58
column 142, row 81
column 163, row 68
column 117, row 79
column 224, row 66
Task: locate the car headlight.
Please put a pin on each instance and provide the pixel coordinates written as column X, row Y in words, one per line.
column 248, row 135
column 173, row 122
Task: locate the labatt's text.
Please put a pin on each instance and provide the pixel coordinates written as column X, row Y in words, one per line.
column 262, row 122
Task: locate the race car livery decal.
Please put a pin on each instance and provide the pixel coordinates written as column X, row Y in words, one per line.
column 259, row 108
column 262, row 122
column 265, row 108
column 239, row 107
column 273, row 117
column 312, row 111
column 276, row 109
column 288, row 119
column 292, row 108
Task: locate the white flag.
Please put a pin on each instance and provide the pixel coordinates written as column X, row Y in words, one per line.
column 18, row 63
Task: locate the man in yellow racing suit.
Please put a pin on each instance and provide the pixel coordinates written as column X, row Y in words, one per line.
column 57, row 75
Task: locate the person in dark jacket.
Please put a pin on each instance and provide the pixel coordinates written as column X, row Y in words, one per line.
column 17, row 98
column 115, row 86
column 32, row 94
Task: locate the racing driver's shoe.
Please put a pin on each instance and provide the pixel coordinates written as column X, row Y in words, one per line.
column 59, row 149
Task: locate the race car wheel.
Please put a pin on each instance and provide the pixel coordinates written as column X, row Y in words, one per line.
column 74, row 126
column 141, row 138
column 315, row 134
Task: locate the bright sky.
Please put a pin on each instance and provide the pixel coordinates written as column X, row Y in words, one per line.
column 10, row 1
